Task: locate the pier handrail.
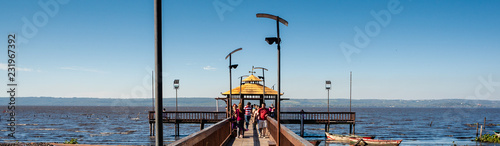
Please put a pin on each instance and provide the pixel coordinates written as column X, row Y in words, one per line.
column 288, row 137
column 190, row 115
column 317, row 116
column 334, row 116
column 216, row 134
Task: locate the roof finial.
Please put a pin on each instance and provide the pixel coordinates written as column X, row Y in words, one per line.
column 251, row 71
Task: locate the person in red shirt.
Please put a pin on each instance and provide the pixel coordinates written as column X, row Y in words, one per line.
column 262, row 115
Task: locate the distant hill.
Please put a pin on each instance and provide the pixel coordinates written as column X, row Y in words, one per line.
column 210, row 102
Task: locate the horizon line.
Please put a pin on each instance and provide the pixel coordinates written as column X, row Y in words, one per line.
column 233, row 99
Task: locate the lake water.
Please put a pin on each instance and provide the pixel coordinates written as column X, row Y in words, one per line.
column 129, row 125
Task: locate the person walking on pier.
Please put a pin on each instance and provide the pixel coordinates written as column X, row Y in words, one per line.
column 240, row 119
column 234, row 123
column 255, row 116
column 271, row 111
column 164, row 114
column 262, row 115
column 248, row 115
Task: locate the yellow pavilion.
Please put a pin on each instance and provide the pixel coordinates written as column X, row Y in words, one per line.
column 251, row 89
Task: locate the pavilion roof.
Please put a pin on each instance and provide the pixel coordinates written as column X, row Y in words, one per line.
column 252, row 78
column 251, row 89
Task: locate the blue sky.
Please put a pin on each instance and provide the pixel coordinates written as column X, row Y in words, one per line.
column 426, row 50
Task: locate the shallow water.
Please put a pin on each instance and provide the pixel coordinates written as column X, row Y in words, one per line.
column 129, row 125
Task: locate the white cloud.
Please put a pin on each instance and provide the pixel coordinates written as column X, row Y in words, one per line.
column 209, row 68
column 76, row 68
column 4, row 66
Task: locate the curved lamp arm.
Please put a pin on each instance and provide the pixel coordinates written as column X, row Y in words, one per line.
column 233, row 52
column 260, row 68
column 264, row 15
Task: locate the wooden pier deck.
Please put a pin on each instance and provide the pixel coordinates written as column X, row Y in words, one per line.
column 250, row 138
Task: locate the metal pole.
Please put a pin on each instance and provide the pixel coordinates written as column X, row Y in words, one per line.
column 241, row 80
column 153, row 88
column 264, row 87
column 176, row 104
column 350, row 92
column 158, row 72
column 176, row 116
column 279, row 84
column 229, row 98
column 328, row 127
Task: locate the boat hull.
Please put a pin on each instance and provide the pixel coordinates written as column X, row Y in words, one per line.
column 338, row 137
column 361, row 141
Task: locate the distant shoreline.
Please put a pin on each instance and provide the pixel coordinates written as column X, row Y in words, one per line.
column 210, row 102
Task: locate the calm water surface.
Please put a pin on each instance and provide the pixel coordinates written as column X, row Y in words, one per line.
column 129, row 125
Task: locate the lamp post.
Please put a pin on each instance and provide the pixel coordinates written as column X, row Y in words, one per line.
column 231, row 66
column 328, row 85
column 277, row 40
column 158, row 76
column 350, row 91
column 263, row 84
column 176, row 86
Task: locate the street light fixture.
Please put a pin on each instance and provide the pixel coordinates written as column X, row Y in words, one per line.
column 231, row 66
column 263, row 83
column 328, row 86
column 277, row 40
column 272, row 40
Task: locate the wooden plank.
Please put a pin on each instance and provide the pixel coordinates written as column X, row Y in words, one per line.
column 250, row 138
column 271, row 143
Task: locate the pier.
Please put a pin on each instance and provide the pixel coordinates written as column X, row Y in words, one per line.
column 301, row 118
column 221, row 133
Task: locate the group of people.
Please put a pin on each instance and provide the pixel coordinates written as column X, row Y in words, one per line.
column 251, row 114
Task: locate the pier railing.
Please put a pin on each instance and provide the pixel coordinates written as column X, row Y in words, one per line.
column 217, row 134
column 288, row 137
column 318, row 117
column 286, row 117
column 189, row 117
